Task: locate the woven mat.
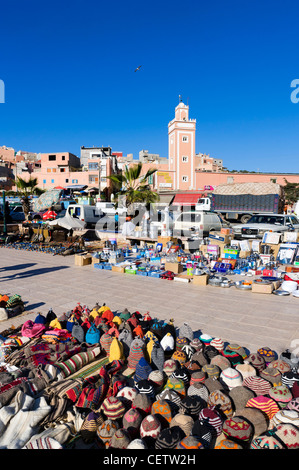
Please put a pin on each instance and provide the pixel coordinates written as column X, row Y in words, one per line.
column 90, row 369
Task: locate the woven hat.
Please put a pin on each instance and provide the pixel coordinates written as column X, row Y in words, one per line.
column 210, row 352
column 169, row 438
column 170, row 366
column 240, row 396
column 198, row 390
column 90, row 424
column 221, row 401
column 168, row 343
column 185, row 422
column 127, row 395
column 265, row 404
column 106, row 430
column 272, row 375
column 125, row 314
column 289, row 358
column 179, row 356
column 281, row 394
column 213, row 384
column 289, row 378
column 142, row 402
column 212, row 417
column 182, row 374
column 266, row 441
column 185, row 331
column 281, row 365
column 196, row 344
column 205, row 338
column 257, row 418
column 157, row 356
column 217, row 343
column 180, row 342
column 238, row 349
column 105, row 342
column 150, row 427
column 142, row 370
column 172, row 397
column 289, row 435
column 40, row 319
column 231, row 378
column 113, row 408
column 234, row 357
column 137, row 444
column 286, row 417
column 192, row 366
column 157, row 378
column 257, row 384
column 162, row 409
column 131, row 421
column 145, row 387
column 200, row 358
column 238, row 428
column 191, row 406
column 268, row 354
column 188, row 351
column 221, row 362
column 136, row 352
column 176, row 385
column 204, row 433
column 246, row 370
column 126, row 338
column 293, row 404
column 295, row 389
column 120, row 439
column 257, row 361
column 197, row 377
column 227, row 444
column 211, row 370
column 190, row 442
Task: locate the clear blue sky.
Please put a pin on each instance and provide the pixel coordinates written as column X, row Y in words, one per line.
column 68, row 68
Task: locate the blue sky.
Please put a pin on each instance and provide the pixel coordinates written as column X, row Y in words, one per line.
column 68, row 69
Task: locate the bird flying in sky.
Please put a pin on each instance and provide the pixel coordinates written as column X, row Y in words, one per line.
column 138, row 68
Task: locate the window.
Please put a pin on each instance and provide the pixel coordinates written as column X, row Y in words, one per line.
column 93, row 179
column 66, row 180
column 74, row 181
column 185, row 159
column 62, row 170
column 63, row 157
column 150, row 179
column 185, row 179
column 44, row 181
column 48, row 170
column 52, row 181
column 93, row 165
column 52, row 158
column 185, row 138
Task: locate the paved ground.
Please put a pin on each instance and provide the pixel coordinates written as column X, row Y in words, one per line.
column 249, row 319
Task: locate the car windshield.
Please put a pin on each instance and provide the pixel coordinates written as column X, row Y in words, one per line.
column 266, row 219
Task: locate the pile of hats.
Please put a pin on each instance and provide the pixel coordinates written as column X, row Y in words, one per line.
column 188, row 391
column 10, row 306
column 162, row 386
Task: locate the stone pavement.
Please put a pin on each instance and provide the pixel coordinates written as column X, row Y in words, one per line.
column 248, row 319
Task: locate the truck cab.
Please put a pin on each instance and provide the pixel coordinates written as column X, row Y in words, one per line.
column 204, row 204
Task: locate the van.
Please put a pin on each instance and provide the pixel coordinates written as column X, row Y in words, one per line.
column 197, row 223
column 110, row 209
column 87, row 213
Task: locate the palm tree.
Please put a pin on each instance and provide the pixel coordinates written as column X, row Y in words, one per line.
column 134, row 186
column 27, row 188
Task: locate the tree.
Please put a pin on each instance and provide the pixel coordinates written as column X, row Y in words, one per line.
column 26, row 189
column 134, row 186
column 291, row 192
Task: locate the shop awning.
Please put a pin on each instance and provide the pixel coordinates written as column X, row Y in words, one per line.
column 186, row 199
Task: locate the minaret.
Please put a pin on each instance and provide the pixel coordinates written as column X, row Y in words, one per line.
column 181, row 148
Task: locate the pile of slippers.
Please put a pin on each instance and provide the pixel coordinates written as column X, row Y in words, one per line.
column 96, row 379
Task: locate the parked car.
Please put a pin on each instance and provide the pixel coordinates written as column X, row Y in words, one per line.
column 110, row 209
column 162, row 220
column 17, row 213
column 196, row 223
column 257, row 225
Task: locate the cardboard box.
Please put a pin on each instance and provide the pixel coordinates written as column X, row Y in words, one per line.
column 244, row 254
column 262, row 288
column 220, row 237
column 289, row 268
column 200, row 280
column 226, row 231
column 271, row 237
column 274, row 249
column 118, row 269
column 165, row 240
column 183, row 278
column 174, row 267
column 82, row 260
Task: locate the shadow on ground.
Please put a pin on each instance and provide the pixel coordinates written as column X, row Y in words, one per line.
column 32, row 273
